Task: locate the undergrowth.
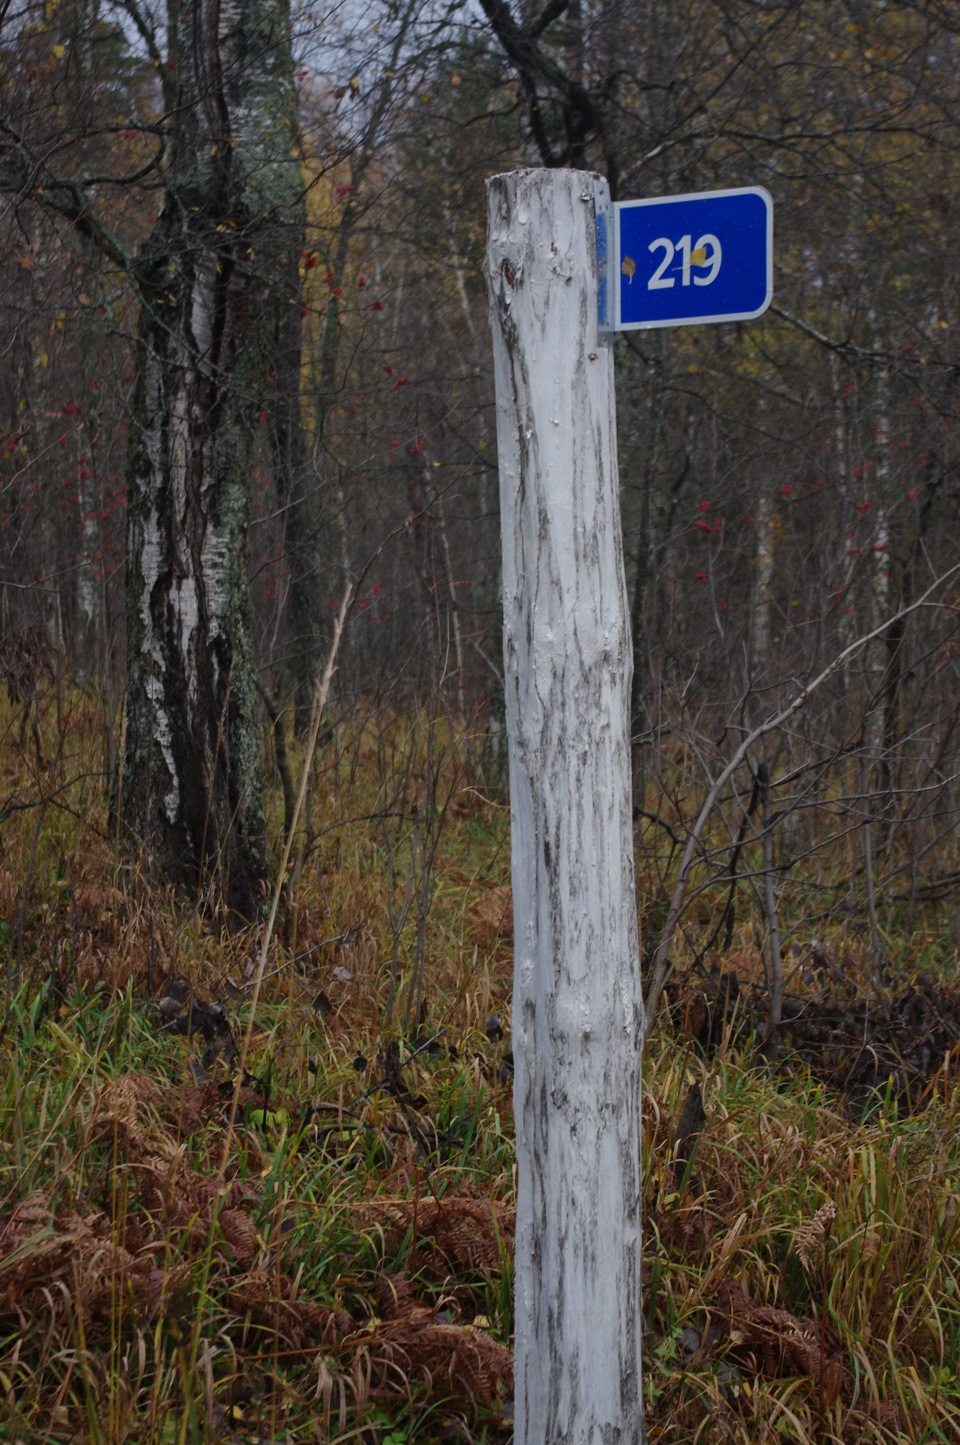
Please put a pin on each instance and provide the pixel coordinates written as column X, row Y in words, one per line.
column 319, row 1246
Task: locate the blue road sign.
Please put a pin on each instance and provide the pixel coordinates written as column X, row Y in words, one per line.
column 682, row 260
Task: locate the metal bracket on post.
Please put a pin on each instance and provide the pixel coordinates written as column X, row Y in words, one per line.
column 604, row 217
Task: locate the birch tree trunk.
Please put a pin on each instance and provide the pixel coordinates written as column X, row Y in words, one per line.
column 577, row 1003
column 212, row 310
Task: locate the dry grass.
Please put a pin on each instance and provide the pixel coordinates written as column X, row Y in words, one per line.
column 334, row 1262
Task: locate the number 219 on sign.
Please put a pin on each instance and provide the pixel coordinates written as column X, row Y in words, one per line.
column 682, row 260
column 706, row 253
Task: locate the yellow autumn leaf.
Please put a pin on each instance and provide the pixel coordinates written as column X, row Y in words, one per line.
column 699, row 256
column 629, row 267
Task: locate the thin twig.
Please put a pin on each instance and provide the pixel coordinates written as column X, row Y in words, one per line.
column 319, row 704
column 661, row 958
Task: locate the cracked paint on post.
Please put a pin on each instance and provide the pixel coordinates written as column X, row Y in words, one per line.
column 577, row 1003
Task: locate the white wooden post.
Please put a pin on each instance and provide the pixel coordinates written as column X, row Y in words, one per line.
column 577, row 1002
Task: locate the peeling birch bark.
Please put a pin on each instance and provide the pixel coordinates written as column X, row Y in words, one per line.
column 577, row 1004
column 213, row 306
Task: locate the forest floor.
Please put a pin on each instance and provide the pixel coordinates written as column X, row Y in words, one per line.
column 283, row 1210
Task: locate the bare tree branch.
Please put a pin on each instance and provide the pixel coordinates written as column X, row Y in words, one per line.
column 661, row 957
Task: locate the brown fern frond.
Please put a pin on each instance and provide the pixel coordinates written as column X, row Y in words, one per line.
column 461, row 1232
column 810, row 1240
column 451, row 1359
column 775, row 1342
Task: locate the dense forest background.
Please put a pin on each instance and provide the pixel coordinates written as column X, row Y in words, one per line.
column 787, row 485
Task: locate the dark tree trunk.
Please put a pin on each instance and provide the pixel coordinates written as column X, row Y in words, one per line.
column 212, row 313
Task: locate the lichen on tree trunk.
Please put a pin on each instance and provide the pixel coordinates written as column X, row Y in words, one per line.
column 211, row 314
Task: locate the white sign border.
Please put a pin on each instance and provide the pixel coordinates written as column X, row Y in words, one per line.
column 615, row 259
